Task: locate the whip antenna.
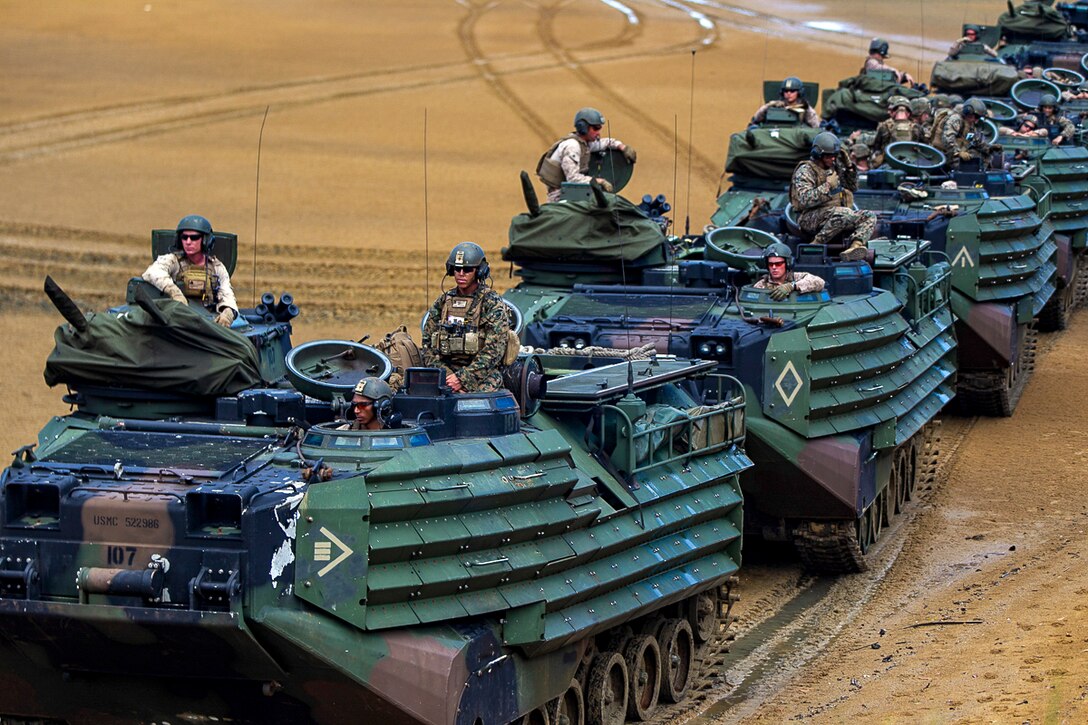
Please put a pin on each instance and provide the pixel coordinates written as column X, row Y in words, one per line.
column 426, row 222
column 691, row 129
column 675, row 154
column 257, row 202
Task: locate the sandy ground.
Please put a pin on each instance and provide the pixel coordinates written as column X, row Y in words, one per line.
column 391, row 131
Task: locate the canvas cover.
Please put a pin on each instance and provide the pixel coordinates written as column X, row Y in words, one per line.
column 582, row 231
column 1033, row 19
column 865, row 95
column 189, row 354
column 973, row 77
column 769, row 153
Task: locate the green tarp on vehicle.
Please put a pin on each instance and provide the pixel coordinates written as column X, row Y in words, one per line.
column 769, row 153
column 188, row 355
column 583, row 231
column 865, row 95
column 973, row 77
column 1033, row 19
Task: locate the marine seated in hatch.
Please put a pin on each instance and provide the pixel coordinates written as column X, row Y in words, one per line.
column 780, row 279
column 191, row 272
column 371, row 405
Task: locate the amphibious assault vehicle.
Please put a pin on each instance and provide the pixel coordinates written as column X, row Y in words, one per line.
column 842, row 385
column 562, row 552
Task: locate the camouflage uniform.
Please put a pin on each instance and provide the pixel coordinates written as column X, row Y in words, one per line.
column 957, row 48
column 956, row 138
column 826, row 213
column 169, row 269
column 571, row 154
column 805, row 112
column 875, row 62
column 480, row 372
column 1058, row 125
column 802, row 282
column 890, row 130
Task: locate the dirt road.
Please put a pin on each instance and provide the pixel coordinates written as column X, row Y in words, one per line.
column 395, row 130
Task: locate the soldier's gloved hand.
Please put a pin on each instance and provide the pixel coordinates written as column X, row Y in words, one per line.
column 176, row 294
column 629, row 154
column 964, row 155
column 604, row 184
column 225, row 318
column 833, row 180
column 782, row 291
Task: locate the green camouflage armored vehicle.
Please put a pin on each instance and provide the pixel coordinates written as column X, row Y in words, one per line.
column 841, row 384
column 998, row 239
column 562, row 555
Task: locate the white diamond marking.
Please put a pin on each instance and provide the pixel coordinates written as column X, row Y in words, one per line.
column 798, row 383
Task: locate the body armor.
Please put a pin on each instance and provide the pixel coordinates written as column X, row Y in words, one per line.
column 197, row 284
column 549, row 170
column 458, row 330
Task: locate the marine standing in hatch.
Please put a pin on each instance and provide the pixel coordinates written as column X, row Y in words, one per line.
column 792, row 99
column 568, row 158
column 466, row 330
column 780, row 279
column 878, row 53
column 192, row 273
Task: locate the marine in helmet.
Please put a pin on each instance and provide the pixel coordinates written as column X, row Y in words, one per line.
column 898, row 126
column 792, row 98
column 1027, row 126
column 970, row 35
column 822, row 197
column 568, row 158
column 961, row 138
column 780, row 279
column 466, row 329
column 878, row 53
column 1059, row 129
column 192, row 273
column 371, row 405
column 861, row 154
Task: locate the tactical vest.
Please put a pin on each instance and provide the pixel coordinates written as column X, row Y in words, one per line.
column 551, row 172
column 903, row 130
column 458, row 333
column 199, row 283
column 937, row 130
column 1053, row 128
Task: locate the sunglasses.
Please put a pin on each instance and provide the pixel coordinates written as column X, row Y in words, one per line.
column 191, row 235
column 776, row 264
column 596, row 127
column 463, row 270
column 363, row 404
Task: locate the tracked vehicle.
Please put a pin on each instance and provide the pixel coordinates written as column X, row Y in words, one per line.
column 560, row 552
column 841, row 385
column 1000, row 243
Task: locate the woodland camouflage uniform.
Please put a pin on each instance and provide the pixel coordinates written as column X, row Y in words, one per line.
column 825, row 212
column 482, row 372
column 956, row 138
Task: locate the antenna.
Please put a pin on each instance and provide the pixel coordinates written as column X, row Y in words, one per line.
column 922, row 50
column 675, row 154
column 257, row 202
column 623, row 262
column 691, row 127
column 426, row 222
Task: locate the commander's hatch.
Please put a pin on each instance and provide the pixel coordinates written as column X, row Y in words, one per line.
column 772, row 91
column 585, row 390
column 225, row 246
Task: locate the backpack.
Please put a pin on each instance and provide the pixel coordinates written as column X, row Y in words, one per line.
column 403, row 353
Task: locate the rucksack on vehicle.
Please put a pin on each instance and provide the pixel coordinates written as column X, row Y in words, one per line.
column 403, row 353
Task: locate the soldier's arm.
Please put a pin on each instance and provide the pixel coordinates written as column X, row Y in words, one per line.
column 161, row 274
column 804, row 282
column 1068, row 129
column 602, row 144
column 812, row 119
column 428, row 355
column 950, row 132
column 494, row 323
column 848, row 173
column 226, row 291
column 956, row 48
column 761, row 113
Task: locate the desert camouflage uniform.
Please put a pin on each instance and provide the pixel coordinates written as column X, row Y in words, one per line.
column 826, row 213
column 168, row 269
column 572, row 155
column 802, row 282
column 482, row 372
column 805, row 112
column 955, row 137
column 874, row 62
column 957, row 48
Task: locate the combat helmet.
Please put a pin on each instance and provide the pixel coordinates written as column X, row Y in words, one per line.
column 778, row 249
column 974, row 107
column 895, row 102
column 862, row 150
column 825, row 143
column 587, row 117
column 468, row 254
column 878, row 45
column 1048, row 99
column 918, row 106
column 195, row 223
column 793, row 83
column 374, row 388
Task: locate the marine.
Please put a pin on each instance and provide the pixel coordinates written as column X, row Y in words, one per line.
column 467, row 327
column 191, row 272
column 821, row 193
column 960, row 139
column 792, row 99
column 568, row 158
column 780, row 279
